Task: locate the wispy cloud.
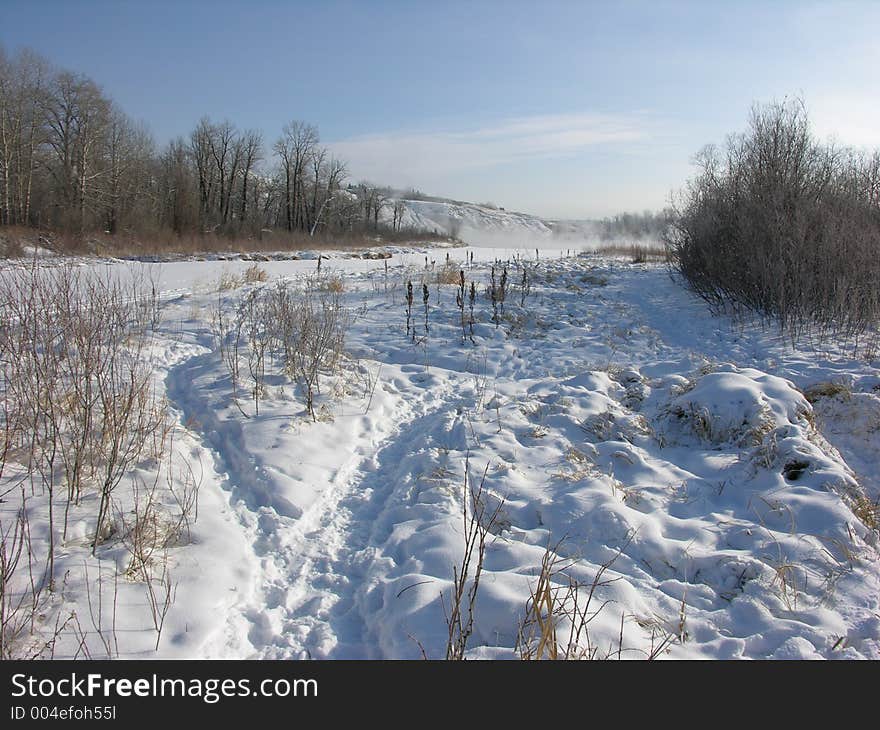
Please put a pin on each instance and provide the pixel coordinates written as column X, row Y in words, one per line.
column 417, row 158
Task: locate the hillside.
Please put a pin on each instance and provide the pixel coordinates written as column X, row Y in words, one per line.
column 483, row 225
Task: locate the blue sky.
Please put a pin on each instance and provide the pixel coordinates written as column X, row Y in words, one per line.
column 564, row 109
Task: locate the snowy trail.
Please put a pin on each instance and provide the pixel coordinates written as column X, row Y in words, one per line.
column 247, row 481
column 317, row 565
column 305, row 602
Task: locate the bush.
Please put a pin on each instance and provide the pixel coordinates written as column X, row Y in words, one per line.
column 254, row 274
column 782, row 225
column 79, row 415
column 449, row 274
column 305, row 330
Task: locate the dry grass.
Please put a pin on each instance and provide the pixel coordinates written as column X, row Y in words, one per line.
column 538, row 630
column 593, row 280
column 827, row 389
column 450, row 273
column 706, row 427
column 166, row 243
column 580, row 466
column 559, row 610
column 301, row 333
column 479, row 521
column 332, row 284
column 786, row 577
column 254, row 274
column 80, row 407
column 867, row 510
column 229, row 280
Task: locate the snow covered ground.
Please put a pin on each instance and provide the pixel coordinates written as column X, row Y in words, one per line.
column 718, row 480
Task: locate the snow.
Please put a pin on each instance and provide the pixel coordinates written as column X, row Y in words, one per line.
column 444, row 216
column 736, row 406
column 615, row 418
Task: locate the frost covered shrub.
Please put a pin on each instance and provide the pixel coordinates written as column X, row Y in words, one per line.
column 332, row 284
column 308, row 330
column 449, row 274
column 779, row 224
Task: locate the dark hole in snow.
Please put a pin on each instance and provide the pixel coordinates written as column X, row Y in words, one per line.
column 794, row 469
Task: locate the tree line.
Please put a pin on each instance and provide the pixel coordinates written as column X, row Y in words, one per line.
column 72, row 160
column 647, row 225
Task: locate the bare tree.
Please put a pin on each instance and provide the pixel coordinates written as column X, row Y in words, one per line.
column 252, row 153
column 179, row 199
column 226, row 153
column 129, row 148
column 318, row 168
column 295, row 148
column 397, row 214
column 200, row 148
column 23, row 91
column 78, row 117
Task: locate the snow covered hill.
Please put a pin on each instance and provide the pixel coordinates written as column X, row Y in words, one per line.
column 483, row 225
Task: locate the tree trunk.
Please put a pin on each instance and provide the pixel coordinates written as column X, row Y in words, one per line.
column 287, row 200
column 244, row 193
